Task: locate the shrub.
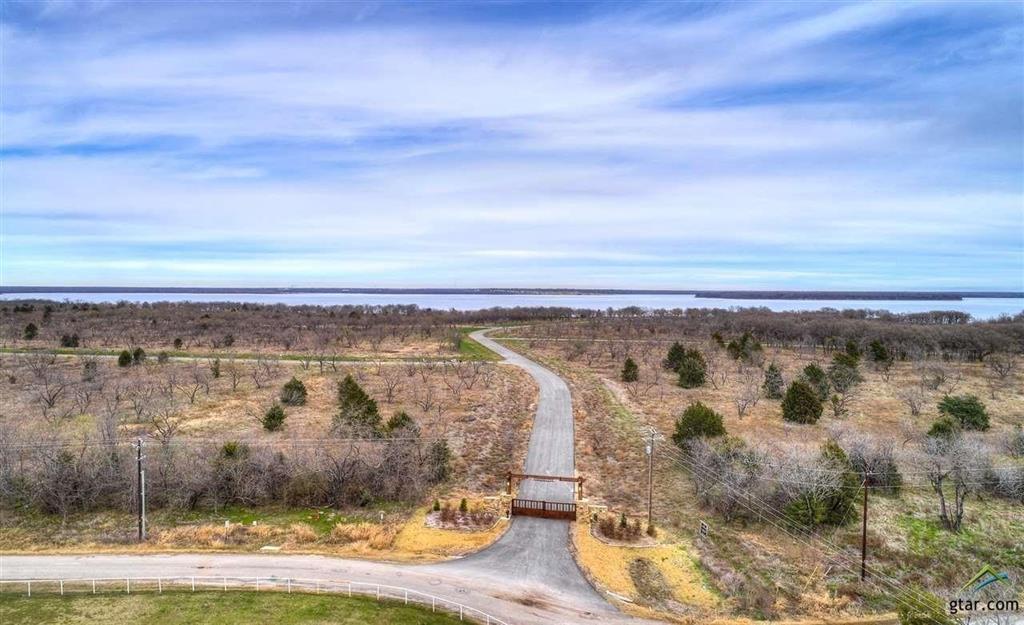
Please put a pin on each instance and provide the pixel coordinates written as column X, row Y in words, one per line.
column 620, row 529
column 1006, row 482
column 842, row 377
column 89, row 370
column 177, row 343
column 273, row 420
column 917, row 606
column 439, row 462
column 801, row 404
column 138, row 356
column 401, row 421
column 841, row 502
column 1015, row 442
column 876, row 465
column 692, row 370
column 880, row 354
column 828, row 504
column 630, row 371
column 463, row 506
column 69, row 340
column 163, row 357
column 293, row 393
column 843, row 359
column 30, row 332
column 437, row 505
column 745, row 348
column 968, row 410
column 853, row 350
column 215, row 368
column 816, row 378
column 356, row 408
column 124, row 359
column 945, row 428
column 697, row 421
column 773, row 383
column 674, row 359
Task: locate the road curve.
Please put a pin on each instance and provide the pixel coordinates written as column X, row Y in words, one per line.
column 527, row 577
column 535, row 552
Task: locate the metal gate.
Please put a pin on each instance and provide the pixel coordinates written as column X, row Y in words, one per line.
column 545, row 509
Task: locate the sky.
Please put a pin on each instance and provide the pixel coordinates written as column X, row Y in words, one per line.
column 734, row 145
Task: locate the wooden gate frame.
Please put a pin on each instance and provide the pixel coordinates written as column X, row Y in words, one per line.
column 546, row 509
column 510, row 476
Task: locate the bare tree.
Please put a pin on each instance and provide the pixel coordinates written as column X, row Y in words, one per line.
column 955, row 466
column 424, row 398
column 748, row 392
column 234, row 373
column 140, row 397
column 717, row 367
column 1002, row 366
column 190, row 386
column 392, row 379
column 914, row 397
column 937, row 377
column 263, row 372
column 165, row 422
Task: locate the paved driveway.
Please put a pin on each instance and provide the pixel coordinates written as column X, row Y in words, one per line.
column 526, row 577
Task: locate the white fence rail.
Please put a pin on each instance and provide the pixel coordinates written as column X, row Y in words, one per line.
column 280, row 584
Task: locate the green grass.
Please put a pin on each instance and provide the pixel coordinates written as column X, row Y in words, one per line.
column 223, row 608
column 469, row 349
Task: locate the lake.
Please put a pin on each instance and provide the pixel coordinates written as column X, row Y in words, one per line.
column 977, row 307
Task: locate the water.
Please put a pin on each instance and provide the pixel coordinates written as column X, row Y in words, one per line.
column 977, row 307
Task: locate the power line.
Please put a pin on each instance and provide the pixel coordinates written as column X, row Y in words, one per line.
column 766, row 508
column 893, row 584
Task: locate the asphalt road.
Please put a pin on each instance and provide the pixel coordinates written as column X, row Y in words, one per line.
column 527, row 577
column 535, row 552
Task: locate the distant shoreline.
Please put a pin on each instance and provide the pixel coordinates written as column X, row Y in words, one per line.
column 952, row 296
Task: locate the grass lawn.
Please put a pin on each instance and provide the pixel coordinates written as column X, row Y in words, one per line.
column 224, row 608
column 469, row 349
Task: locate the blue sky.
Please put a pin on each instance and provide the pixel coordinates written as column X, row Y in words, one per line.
column 706, row 145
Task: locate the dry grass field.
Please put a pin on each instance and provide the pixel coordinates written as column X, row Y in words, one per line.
column 757, row 568
column 482, row 410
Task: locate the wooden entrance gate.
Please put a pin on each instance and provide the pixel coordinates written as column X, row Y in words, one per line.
column 545, row 509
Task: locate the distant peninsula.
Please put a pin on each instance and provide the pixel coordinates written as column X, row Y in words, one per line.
column 952, row 296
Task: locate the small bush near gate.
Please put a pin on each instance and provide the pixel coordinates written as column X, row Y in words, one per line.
column 619, row 529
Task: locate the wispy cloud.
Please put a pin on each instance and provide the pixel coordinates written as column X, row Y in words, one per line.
column 866, row 145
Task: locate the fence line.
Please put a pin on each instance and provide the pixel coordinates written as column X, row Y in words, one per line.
column 88, row 585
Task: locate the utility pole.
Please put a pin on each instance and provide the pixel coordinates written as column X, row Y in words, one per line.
column 140, row 491
column 650, row 479
column 864, row 535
